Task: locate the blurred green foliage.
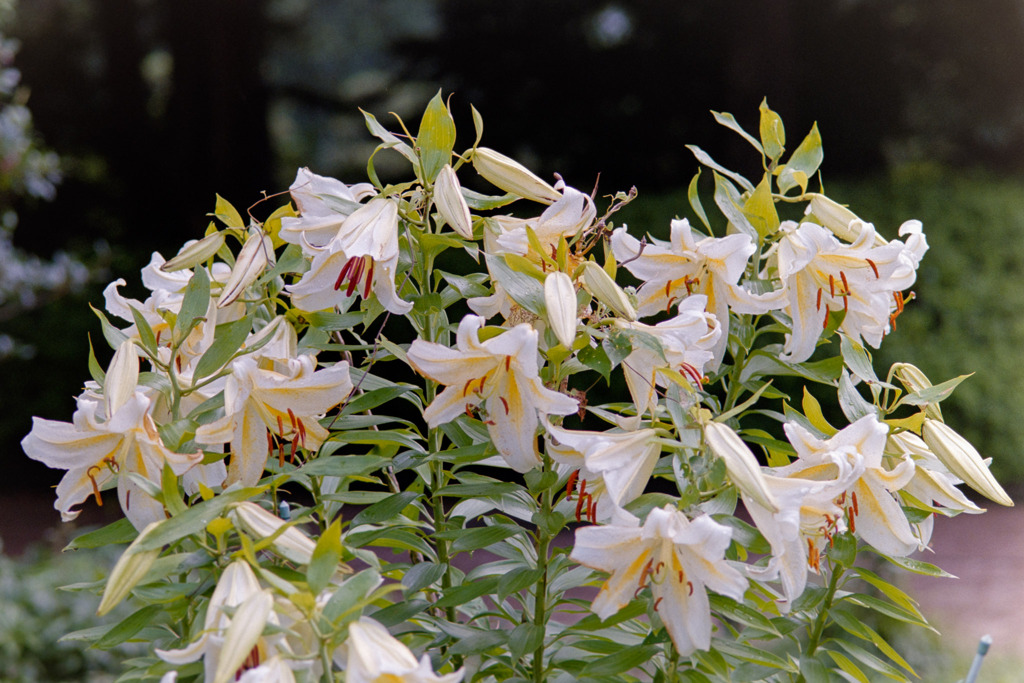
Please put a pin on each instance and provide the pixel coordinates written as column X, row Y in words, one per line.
column 35, row 614
column 966, row 315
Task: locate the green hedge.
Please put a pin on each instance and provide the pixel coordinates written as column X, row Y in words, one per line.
column 970, row 288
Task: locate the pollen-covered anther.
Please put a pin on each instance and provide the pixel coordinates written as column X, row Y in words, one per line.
column 581, row 499
column 824, row 324
column 508, row 364
column 831, row 285
column 691, row 284
column 692, row 373
column 656, row 603
column 813, row 558
column 817, row 306
column 874, row 268
column 504, row 403
column 853, row 499
column 570, row 485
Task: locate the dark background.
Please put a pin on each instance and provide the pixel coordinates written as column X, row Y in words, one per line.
column 156, row 105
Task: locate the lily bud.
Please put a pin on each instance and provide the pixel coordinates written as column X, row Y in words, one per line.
column 122, row 377
column 915, row 380
column 560, row 299
column 451, row 204
column 511, row 176
column 195, row 252
column 740, row 463
column 127, row 572
column 844, row 224
column 963, row 460
column 291, row 543
column 602, row 286
column 243, row 635
column 252, row 260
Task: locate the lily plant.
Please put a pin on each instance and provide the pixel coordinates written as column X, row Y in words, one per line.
column 413, row 431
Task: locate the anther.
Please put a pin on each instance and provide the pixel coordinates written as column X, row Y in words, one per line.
column 508, row 365
column 656, row 603
column 853, row 497
column 369, row 281
column 689, row 585
column 344, row 272
column 570, row 485
column 824, row 324
column 874, row 268
column 504, row 403
column 831, row 285
column 357, row 274
column 818, row 305
column 846, row 285
column 668, row 289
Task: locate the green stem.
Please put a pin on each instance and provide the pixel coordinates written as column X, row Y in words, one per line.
column 819, row 623
column 540, row 616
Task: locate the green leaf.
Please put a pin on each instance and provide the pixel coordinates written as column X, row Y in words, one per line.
column 526, row 291
column 326, row 557
column 740, row 613
column 421, row 575
column 858, row 360
column 693, row 195
column 729, row 202
column 459, row 595
column 759, row 209
column 748, row 653
column 128, row 627
column 483, row 537
column 478, row 125
column 436, row 137
column 704, row 158
column 114, row 336
column 195, row 519
column 227, row 214
column 773, row 133
column 389, row 140
column 803, row 163
column 485, row 202
column 341, row 466
column 517, row 580
column 194, row 304
column 847, row 665
column 350, row 593
column 617, row 345
column 95, row 370
column 117, row 532
column 918, row 567
column 525, row 638
column 227, row 340
column 333, row 322
column 378, row 438
column 595, row 358
column 385, row 510
column 479, row 641
column 813, row 671
column 622, row 661
column 146, row 335
column 844, row 549
column 729, row 121
column 890, row 591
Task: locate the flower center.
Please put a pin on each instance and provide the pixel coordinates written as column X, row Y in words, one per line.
column 352, row 272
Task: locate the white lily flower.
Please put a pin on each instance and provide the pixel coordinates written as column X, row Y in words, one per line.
column 572, row 212
column 855, row 455
column 500, row 373
column 287, row 401
column 674, row 270
column 821, row 274
column 292, row 543
column 363, row 253
column 805, row 518
column 96, row 448
column 599, row 283
column 274, row 670
column 932, row 482
column 230, row 645
column 678, row 558
column 687, row 340
column 613, row 468
column 375, row 656
column 324, row 204
column 560, row 301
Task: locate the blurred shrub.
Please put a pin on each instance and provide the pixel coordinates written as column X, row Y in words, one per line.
column 969, row 290
column 34, row 615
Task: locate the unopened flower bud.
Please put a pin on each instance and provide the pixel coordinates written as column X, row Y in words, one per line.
column 961, row 458
column 511, row 176
column 291, row 543
column 560, row 299
column 243, row 635
column 915, row 381
column 740, row 463
column 602, row 286
column 128, row 571
column 122, row 377
column 451, row 204
column 256, row 253
column 843, row 223
column 195, row 252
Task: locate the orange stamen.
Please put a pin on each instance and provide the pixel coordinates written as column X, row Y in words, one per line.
column 369, row 281
column 95, row 487
column 846, row 285
column 873, row 267
column 818, row 305
column 656, row 603
column 570, row 485
column 831, row 285
column 824, row 324
column 853, row 497
column 504, row 403
column 508, row 366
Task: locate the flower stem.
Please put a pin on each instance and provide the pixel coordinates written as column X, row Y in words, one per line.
column 818, row 628
column 540, row 616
